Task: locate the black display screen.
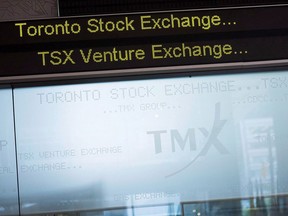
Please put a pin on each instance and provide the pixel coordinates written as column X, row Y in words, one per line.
column 143, row 40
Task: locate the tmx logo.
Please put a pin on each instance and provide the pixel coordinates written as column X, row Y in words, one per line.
column 177, row 139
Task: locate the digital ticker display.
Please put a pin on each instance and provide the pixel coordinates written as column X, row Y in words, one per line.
column 94, row 44
column 149, row 146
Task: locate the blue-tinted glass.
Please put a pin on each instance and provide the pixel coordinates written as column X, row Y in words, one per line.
column 159, row 147
column 8, row 175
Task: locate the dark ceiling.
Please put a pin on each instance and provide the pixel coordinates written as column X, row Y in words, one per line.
column 91, row 7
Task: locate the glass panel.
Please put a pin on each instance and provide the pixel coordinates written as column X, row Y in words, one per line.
column 172, row 143
column 257, row 206
column 8, row 174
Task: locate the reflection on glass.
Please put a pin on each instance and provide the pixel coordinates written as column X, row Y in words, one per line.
column 259, row 153
column 8, row 178
column 209, row 145
column 158, row 210
column 260, row 206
